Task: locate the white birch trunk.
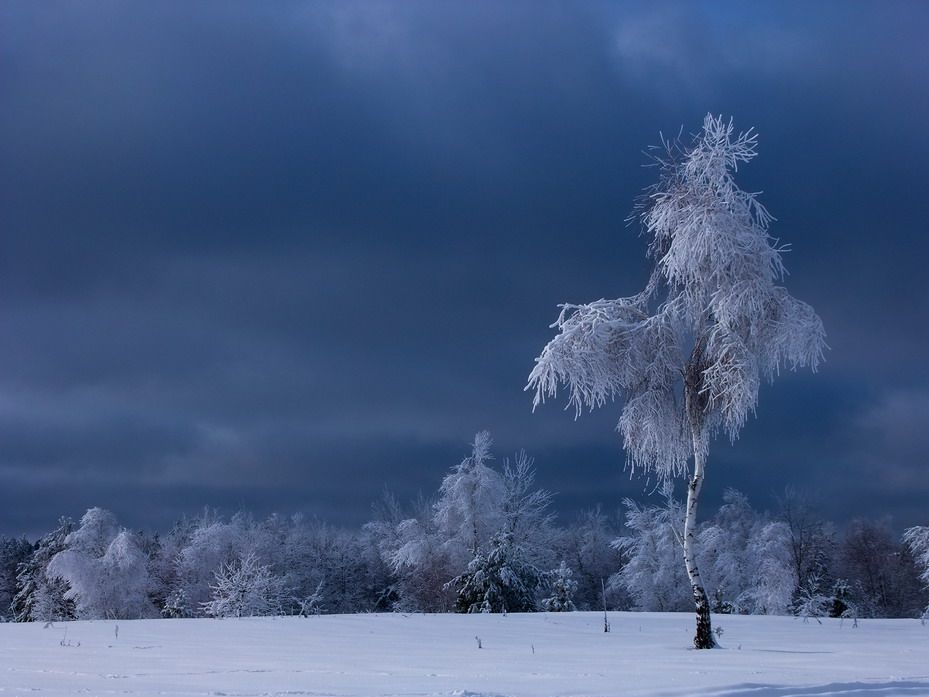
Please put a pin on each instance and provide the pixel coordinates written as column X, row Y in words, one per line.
column 704, row 636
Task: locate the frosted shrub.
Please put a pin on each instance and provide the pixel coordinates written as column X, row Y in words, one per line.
column 811, row 602
column 244, row 588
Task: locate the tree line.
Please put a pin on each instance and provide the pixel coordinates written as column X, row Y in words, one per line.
column 486, row 542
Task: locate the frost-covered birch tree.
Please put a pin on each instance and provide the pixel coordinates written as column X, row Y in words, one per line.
column 687, row 354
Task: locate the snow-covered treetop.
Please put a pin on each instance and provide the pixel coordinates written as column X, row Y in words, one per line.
column 688, row 352
column 97, row 530
column 471, row 499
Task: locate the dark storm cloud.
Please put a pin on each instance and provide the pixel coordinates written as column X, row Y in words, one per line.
column 276, row 256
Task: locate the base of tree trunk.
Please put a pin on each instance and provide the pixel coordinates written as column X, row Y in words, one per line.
column 704, row 638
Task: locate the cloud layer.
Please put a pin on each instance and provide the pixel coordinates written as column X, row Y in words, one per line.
column 278, row 256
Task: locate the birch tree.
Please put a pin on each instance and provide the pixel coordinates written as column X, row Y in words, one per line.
column 687, row 354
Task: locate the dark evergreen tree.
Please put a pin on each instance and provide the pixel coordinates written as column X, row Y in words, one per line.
column 563, row 587
column 500, row 580
column 841, row 598
column 39, row 598
column 13, row 552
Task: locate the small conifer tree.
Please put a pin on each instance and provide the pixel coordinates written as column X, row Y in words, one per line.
column 563, row 587
column 498, row 581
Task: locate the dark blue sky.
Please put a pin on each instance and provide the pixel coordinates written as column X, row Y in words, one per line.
column 278, row 255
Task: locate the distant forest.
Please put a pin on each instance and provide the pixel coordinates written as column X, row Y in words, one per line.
column 487, row 542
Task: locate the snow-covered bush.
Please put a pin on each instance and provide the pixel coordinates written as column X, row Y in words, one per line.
column 244, row 588
column 811, row 601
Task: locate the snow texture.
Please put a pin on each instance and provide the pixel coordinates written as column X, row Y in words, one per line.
column 537, row 655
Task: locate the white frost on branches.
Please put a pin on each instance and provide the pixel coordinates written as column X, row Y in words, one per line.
column 244, row 588
column 105, row 568
column 712, row 320
column 470, row 505
column 652, row 573
column 811, row 602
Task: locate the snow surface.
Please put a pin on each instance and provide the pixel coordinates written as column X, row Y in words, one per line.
column 523, row 655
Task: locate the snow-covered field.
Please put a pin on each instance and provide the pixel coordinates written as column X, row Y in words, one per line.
column 538, row 655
